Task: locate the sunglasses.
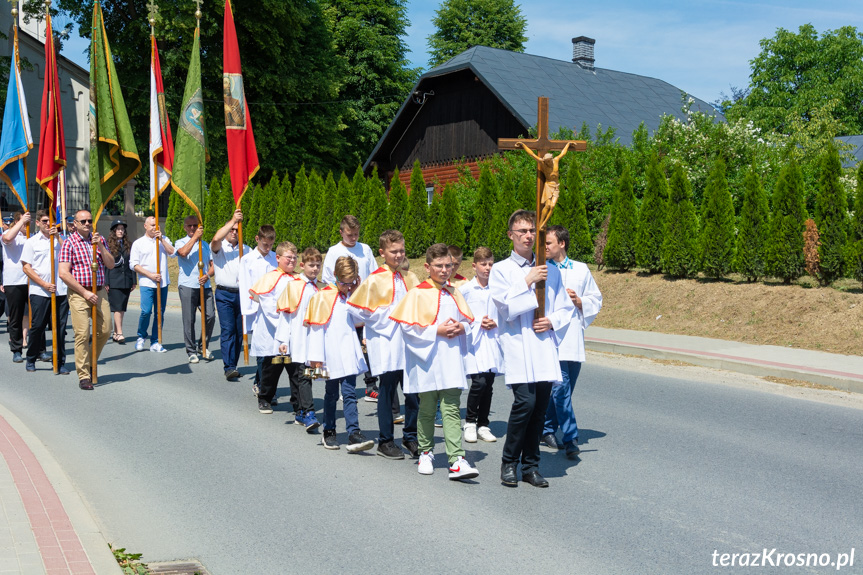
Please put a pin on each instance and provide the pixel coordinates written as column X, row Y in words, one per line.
column 85, row 221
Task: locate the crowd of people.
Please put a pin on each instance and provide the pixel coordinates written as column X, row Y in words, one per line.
column 433, row 339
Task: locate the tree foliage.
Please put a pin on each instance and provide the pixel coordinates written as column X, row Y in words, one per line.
column 286, row 209
column 376, row 219
column 651, row 219
column 831, row 217
column 752, row 235
column 620, row 251
column 314, row 195
column 717, row 225
column 398, row 202
column 483, row 208
column 785, row 244
column 450, row 227
column 574, row 215
column 417, row 237
column 326, row 213
column 463, row 24
column 680, row 248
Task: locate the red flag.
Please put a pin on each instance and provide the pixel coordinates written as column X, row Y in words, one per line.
column 242, row 155
column 52, row 145
column 161, row 140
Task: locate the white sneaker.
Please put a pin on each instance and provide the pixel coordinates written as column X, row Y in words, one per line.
column 470, row 432
column 193, row 358
column 485, row 434
column 157, row 347
column 426, row 464
column 140, row 345
column 461, row 469
column 208, row 356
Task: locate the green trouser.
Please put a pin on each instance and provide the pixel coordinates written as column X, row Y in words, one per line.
column 450, row 400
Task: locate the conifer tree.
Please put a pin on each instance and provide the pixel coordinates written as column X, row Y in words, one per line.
column 680, row 246
column 211, row 218
column 717, row 224
column 175, row 210
column 377, row 216
column 754, row 223
column 483, row 209
column 450, row 227
column 434, row 214
column 268, row 205
column 246, row 206
column 250, row 219
column 651, row 218
column 226, row 200
column 285, row 209
column 571, row 213
column 785, row 243
column 398, row 202
column 415, row 226
column 507, row 198
column 298, row 217
column 831, row 217
column 358, row 194
column 620, row 251
column 314, row 194
column 855, row 247
column 526, row 193
column 326, row 213
column 342, row 208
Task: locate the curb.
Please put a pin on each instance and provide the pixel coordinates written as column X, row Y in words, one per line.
column 851, row 382
column 92, row 540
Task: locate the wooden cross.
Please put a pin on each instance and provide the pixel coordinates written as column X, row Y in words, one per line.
column 547, row 182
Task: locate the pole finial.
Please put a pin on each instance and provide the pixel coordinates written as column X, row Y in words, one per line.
column 198, row 13
column 14, row 11
column 153, row 9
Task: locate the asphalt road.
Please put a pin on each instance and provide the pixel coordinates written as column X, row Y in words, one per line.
column 676, row 464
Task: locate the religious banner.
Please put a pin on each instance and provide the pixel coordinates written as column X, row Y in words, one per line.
column 191, row 153
column 161, row 140
column 52, row 145
column 242, row 154
column 114, row 157
column 15, row 139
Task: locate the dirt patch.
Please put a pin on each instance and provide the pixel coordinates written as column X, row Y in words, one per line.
column 798, row 383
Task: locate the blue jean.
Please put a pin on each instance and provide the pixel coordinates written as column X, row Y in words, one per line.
column 148, row 302
column 348, row 387
column 388, row 382
column 560, row 412
column 230, row 327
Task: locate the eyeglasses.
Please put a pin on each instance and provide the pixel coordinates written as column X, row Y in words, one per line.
column 341, row 283
column 443, row 266
column 531, row 231
column 288, row 257
column 234, row 230
column 45, row 221
column 84, row 222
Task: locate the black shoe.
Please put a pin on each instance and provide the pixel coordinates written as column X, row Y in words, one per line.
column 389, row 450
column 64, row 370
column 232, row 374
column 551, row 441
column 534, row 478
column 330, row 441
column 507, row 474
column 358, row 442
column 17, row 357
column 85, row 384
column 264, row 406
column 31, row 366
column 46, row 357
column 412, row 446
column 572, row 449
column 274, row 401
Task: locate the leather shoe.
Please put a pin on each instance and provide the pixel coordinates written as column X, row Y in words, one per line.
column 507, row 474
column 572, row 449
column 534, row 478
column 85, row 384
column 551, row 441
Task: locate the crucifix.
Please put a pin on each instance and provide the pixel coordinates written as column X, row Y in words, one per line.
column 153, row 9
column 547, row 181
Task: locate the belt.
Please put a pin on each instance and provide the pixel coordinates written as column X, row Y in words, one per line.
column 228, row 289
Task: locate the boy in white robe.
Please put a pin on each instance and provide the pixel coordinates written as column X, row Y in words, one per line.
column 333, row 345
column 586, row 297
column 266, row 292
column 529, row 345
column 293, row 334
column 253, row 266
column 371, row 304
column 483, row 359
column 432, row 318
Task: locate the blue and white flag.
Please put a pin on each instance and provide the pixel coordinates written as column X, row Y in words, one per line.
column 15, row 139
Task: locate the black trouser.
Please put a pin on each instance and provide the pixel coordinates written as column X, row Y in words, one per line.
column 369, row 378
column 390, row 382
column 40, row 306
column 16, row 303
column 479, row 398
column 526, row 419
column 302, row 398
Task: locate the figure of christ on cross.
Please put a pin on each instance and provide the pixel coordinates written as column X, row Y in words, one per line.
column 547, row 181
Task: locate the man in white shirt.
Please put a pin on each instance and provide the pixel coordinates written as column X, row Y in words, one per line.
column 349, row 229
column 225, row 247
column 189, row 285
column 36, row 263
column 142, row 259
column 529, row 345
column 15, row 283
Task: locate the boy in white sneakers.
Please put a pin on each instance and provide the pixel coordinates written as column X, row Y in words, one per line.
column 432, row 318
column 293, row 334
column 483, row 359
column 333, row 345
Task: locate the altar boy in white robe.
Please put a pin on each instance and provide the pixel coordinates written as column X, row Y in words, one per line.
column 253, row 266
column 333, row 345
column 586, row 297
column 530, row 358
column 432, row 318
column 265, row 292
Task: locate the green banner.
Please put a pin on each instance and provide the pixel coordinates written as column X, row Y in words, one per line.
column 190, row 151
column 114, row 157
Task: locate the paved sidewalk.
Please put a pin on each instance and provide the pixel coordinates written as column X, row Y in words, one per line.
column 839, row 371
column 44, row 526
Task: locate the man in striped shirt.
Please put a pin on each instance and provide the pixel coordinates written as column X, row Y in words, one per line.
column 76, row 257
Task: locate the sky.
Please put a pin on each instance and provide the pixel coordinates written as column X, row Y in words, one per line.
column 702, row 47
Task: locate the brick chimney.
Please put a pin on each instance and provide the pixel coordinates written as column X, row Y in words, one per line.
column 582, row 52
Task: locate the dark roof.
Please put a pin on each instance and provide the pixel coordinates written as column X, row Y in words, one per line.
column 856, row 151
column 576, row 95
